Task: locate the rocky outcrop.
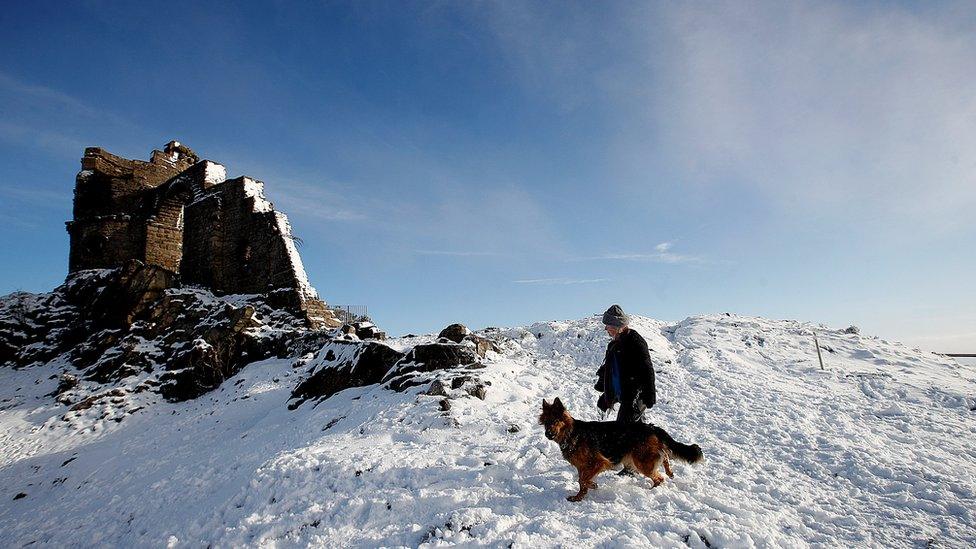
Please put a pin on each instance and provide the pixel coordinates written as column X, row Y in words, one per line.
column 363, row 330
column 139, row 321
column 454, row 332
column 409, row 370
column 343, row 364
column 459, row 333
column 127, row 294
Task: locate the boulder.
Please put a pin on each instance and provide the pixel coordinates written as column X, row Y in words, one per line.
column 344, row 364
column 481, row 344
column 129, row 294
column 363, row 330
column 471, row 385
column 454, row 332
column 429, row 357
column 437, row 388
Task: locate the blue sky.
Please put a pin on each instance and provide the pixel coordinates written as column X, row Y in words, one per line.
column 503, row 163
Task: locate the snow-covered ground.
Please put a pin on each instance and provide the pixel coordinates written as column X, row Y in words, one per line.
column 877, row 449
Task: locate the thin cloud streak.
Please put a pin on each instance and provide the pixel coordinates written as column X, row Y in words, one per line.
column 458, row 253
column 662, row 254
column 659, row 257
column 298, row 198
column 561, row 281
column 45, row 95
column 57, row 104
column 38, row 197
column 18, row 222
column 59, row 143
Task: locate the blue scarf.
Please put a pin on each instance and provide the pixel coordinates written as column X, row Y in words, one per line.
column 614, row 378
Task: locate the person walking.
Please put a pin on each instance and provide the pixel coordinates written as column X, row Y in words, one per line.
column 627, row 375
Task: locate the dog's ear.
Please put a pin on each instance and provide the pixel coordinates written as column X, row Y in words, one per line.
column 544, row 404
column 558, row 404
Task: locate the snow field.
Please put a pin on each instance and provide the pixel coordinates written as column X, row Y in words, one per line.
column 875, row 450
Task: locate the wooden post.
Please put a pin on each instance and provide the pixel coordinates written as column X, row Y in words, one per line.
column 819, row 356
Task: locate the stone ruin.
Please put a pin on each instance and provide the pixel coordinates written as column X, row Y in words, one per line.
column 179, row 278
column 182, row 214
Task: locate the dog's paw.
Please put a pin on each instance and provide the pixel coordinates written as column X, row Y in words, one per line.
column 575, row 498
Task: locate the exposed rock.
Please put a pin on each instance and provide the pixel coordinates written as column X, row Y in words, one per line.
column 479, row 391
column 473, row 386
column 352, row 364
column 445, row 404
column 457, row 382
column 66, row 382
column 368, row 330
column 129, row 294
column 481, row 344
column 195, row 371
column 852, row 330
column 363, row 330
column 437, row 388
column 138, row 321
column 454, row 332
column 90, row 401
column 429, row 358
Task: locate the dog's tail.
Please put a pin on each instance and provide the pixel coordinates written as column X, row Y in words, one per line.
column 689, row 453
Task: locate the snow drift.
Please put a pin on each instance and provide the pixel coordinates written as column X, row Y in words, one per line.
column 877, row 449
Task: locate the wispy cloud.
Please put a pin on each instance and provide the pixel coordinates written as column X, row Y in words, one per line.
column 859, row 113
column 459, row 253
column 38, row 196
column 561, row 281
column 9, row 84
column 49, row 119
column 53, row 141
column 18, row 222
column 315, row 204
column 308, row 197
column 662, row 254
column 854, row 112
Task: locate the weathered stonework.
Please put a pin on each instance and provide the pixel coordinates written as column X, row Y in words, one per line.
column 184, row 215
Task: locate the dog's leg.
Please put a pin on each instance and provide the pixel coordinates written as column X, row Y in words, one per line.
column 667, row 466
column 587, row 472
column 655, row 475
column 647, row 463
column 585, row 480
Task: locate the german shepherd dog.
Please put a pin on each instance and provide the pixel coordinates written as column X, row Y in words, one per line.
column 596, row 446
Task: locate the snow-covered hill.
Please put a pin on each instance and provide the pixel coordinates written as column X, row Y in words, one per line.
column 878, row 449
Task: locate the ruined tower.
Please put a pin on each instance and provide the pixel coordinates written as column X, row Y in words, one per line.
column 184, row 215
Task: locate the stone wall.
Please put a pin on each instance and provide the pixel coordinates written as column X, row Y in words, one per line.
column 220, row 234
column 110, row 218
column 236, row 242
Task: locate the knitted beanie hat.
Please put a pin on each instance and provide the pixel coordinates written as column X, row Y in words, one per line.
column 615, row 316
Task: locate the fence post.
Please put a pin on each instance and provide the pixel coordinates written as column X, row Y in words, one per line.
column 817, row 343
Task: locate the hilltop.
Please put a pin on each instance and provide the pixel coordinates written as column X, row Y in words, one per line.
column 876, row 449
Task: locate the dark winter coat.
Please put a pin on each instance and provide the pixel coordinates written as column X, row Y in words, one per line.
column 637, row 390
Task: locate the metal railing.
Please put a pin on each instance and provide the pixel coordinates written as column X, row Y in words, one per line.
column 350, row 313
